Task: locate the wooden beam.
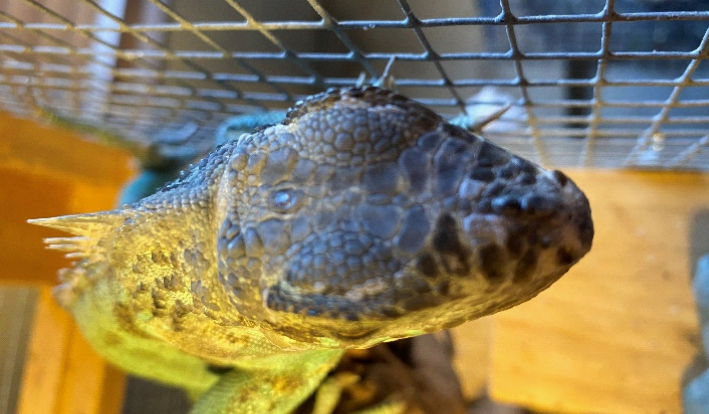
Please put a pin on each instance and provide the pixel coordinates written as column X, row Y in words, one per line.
column 46, row 356
column 84, row 378
column 616, row 334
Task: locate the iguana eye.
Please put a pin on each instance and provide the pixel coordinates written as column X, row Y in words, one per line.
column 286, row 200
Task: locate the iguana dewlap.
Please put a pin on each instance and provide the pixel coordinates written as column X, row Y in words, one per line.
column 363, row 217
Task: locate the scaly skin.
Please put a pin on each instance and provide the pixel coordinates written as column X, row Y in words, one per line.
column 362, row 218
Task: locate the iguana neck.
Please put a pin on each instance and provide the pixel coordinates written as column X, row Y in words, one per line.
column 180, row 224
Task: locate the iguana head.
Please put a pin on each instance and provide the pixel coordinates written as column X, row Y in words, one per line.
column 365, row 217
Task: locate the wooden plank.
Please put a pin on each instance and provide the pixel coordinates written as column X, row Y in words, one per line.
column 79, row 381
column 17, row 305
column 46, row 355
column 62, row 374
column 84, row 375
column 113, row 390
column 616, row 334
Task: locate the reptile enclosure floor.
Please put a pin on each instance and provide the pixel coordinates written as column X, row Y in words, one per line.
column 618, row 334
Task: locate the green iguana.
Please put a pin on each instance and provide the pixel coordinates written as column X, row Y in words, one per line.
column 361, row 218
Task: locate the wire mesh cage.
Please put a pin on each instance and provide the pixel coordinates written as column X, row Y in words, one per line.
column 594, row 83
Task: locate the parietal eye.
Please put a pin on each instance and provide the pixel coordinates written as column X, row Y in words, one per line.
column 286, row 200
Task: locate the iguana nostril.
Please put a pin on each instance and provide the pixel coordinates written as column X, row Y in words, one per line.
column 532, row 205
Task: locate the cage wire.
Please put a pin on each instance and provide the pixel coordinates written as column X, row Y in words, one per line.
column 593, row 83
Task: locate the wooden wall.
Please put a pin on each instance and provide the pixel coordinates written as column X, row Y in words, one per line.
column 615, row 335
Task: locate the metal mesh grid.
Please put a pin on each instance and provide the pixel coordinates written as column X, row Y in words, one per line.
column 595, row 83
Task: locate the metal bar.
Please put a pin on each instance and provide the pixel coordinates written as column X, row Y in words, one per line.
column 333, row 25
column 396, row 24
column 599, row 81
column 185, row 24
column 509, row 20
column 685, row 156
column 91, row 37
column 412, row 57
column 685, row 80
column 287, row 53
column 431, row 54
column 156, row 44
